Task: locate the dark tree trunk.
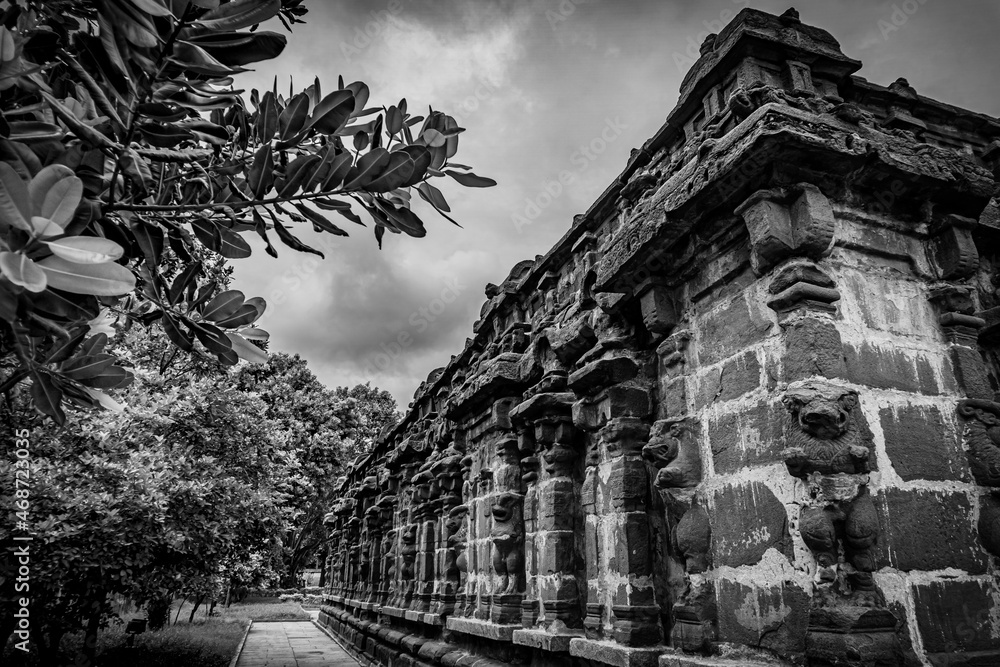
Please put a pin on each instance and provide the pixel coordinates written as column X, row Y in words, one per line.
column 197, row 603
column 179, row 607
column 158, row 613
column 7, row 625
column 211, row 610
column 48, row 647
column 90, row 637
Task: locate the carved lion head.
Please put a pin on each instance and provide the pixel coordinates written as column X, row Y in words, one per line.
column 823, row 410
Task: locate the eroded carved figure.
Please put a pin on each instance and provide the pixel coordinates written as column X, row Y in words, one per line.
column 827, row 451
column 673, row 451
column 508, row 536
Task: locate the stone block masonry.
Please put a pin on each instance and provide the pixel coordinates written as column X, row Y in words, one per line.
column 745, row 412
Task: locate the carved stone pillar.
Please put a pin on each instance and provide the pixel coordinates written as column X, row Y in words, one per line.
column 447, row 472
column 508, row 535
column 621, row 604
column 423, row 575
column 388, row 565
column 461, row 538
column 592, row 545
column 408, row 554
column 673, row 450
column 481, row 592
column 372, row 556
column 635, row 614
column 557, row 443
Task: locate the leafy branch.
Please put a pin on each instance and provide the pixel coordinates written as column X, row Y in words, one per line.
column 128, row 158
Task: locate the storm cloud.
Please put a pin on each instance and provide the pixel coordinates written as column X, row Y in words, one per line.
column 554, row 94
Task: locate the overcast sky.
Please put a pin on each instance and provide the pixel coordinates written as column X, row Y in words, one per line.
column 533, row 81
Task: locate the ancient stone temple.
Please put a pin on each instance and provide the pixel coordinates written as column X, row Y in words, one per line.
column 744, row 412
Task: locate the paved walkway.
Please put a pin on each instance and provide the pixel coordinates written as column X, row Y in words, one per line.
column 291, row 644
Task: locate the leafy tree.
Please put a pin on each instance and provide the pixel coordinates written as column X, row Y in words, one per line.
column 129, row 505
column 129, row 162
column 377, row 410
column 207, row 479
column 325, row 430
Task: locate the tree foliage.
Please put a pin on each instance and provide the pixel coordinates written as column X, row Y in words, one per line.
column 129, row 163
column 204, row 481
column 325, row 431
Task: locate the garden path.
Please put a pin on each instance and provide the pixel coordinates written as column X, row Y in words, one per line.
column 291, row 644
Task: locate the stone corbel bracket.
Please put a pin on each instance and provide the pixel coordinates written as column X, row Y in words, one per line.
column 801, row 285
column 955, row 306
column 786, row 222
column 953, row 248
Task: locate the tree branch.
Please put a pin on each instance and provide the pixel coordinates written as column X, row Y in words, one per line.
column 181, row 208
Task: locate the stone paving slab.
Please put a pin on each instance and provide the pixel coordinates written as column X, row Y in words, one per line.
column 291, row 644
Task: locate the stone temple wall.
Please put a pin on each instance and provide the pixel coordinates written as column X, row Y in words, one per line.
column 744, row 412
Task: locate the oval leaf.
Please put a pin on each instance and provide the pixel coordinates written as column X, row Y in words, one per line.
column 254, row 333
column 22, row 270
column 105, row 401
column 86, row 249
column 44, row 227
column 471, row 180
column 223, row 305
column 332, row 112
column 239, row 14
column 47, row 396
column 247, row 350
column 15, row 202
column 98, row 279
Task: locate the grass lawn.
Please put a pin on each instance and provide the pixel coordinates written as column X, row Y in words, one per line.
column 205, row 642
column 259, row 611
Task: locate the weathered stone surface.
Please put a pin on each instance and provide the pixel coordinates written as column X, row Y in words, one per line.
column 747, row 520
column 612, row 653
column 920, row 531
column 730, row 329
column 602, row 373
column 773, row 618
column 988, row 525
column 894, row 368
column 734, row 378
column 673, row 398
column 970, row 372
column 484, row 629
column 812, row 347
column 954, row 616
column 747, row 437
column 921, row 445
column 545, row 641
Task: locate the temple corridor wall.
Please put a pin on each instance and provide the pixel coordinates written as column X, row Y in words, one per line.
column 744, row 412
